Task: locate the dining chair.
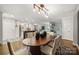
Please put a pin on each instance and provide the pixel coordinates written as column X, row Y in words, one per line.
column 18, row 52
column 52, row 36
column 52, row 41
column 60, row 41
column 49, row 50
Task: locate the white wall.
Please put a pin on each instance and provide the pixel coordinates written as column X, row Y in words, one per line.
column 72, row 23
column 0, row 27
column 9, row 30
column 67, row 27
column 75, row 29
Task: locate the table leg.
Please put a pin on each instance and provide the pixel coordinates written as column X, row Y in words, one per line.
column 35, row 50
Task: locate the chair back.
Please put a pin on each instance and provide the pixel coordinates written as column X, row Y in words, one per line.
column 56, row 44
column 11, row 50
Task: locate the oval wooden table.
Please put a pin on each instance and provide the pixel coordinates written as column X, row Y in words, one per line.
column 35, row 44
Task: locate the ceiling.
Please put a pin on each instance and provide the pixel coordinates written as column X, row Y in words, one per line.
column 25, row 11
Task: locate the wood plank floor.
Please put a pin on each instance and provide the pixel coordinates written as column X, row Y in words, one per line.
column 69, row 44
column 18, row 44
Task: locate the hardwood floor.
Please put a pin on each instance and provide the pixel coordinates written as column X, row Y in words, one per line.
column 69, row 44
column 18, row 44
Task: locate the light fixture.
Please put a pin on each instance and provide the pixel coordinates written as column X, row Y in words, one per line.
column 41, row 9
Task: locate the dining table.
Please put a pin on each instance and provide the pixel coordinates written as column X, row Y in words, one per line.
column 35, row 44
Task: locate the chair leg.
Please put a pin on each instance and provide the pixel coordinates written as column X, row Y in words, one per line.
column 28, row 49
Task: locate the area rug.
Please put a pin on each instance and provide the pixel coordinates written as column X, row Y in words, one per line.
column 65, row 51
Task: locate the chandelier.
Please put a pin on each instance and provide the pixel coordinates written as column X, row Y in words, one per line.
column 41, row 9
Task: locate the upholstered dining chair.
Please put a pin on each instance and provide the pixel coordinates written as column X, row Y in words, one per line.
column 52, row 36
column 19, row 52
column 49, row 50
column 53, row 39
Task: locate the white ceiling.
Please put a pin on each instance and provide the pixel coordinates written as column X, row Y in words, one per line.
column 25, row 11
